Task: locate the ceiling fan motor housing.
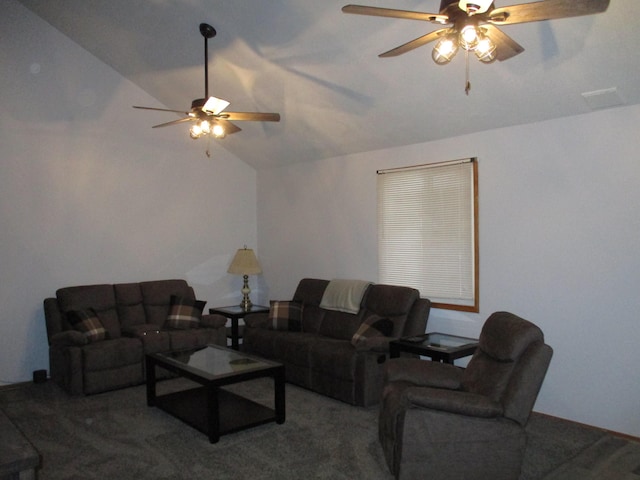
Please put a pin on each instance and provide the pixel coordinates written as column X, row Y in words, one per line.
column 198, row 103
column 474, row 6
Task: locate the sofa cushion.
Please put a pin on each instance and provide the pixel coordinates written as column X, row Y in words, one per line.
column 152, row 338
column 312, row 318
column 310, row 291
column 392, row 302
column 184, row 313
column 285, row 315
column 100, row 298
column 129, row 304
column 88, row 323
column 157, row 297
column 339, row 325
column 372, row 326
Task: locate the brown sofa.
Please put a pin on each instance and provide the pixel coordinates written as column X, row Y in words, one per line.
column 321, row 355
column 134, row 316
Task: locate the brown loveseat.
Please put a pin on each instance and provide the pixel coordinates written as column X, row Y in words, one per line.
column 136, row 320
column 327, row 350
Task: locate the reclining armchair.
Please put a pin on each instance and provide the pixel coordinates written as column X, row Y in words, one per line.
column 439, row 421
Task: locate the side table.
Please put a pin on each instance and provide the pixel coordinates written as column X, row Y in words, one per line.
column 440, row 347
column 234, row 313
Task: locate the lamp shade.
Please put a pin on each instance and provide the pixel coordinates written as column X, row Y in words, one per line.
column 245, row 263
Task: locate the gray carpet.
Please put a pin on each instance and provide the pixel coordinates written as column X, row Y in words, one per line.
column 115, row 435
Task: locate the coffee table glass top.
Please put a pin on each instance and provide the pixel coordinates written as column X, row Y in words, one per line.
column 215, row 361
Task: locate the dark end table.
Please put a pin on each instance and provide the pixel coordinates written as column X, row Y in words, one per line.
column 440, row 347
column 234, row 313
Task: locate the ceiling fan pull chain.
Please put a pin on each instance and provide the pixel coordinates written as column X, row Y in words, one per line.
column 467, row 83
column 208, row 145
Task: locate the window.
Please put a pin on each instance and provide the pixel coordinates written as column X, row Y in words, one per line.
column 428, row 231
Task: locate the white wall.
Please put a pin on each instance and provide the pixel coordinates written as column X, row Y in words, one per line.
column 559, row 230
column 89, row 193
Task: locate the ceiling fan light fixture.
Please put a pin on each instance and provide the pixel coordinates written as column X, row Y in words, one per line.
column 218, row 131
column 469, row 37
column 445, row 50
column 195, row 131
column 485, row 50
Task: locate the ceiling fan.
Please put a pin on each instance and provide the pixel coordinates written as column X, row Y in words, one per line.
column 472, row 25
column 208, row 114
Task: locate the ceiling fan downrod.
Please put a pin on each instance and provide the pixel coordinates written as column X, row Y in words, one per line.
column 207, row 32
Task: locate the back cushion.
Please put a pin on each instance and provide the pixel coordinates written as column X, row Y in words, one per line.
column 340, row 325
column 312, row 316
column 505, row 336
column 100, row 298
column 156, row 297
column 487, row 376
column 129, row 303
column 309, row 293
column 503, row 339
column 390, row 301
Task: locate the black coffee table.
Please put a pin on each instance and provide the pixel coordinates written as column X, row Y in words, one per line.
column 208, row 407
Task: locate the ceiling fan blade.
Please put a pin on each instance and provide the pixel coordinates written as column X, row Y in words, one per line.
column 174, row 122
column 393, row 13
column 506, row 47
column 418, row 42
column 162, row 110
column 215, row 105
column 251, row 116
column 229, row 127
column 546, row 10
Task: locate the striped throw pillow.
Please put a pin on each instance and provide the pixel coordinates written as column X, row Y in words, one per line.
column 184, row 313
column 88, row 323
column 285, row 315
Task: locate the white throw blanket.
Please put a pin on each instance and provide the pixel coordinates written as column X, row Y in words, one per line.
column 344, row 295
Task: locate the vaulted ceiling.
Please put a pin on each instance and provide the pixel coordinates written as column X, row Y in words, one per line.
column 319, row 68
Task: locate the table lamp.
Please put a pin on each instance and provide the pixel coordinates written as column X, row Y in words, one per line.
column 245, row 263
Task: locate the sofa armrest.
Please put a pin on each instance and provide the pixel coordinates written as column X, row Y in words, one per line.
column 257, row 320
column 374, row 344
column 69, row 338
column 454, row 401
column 423, row 373
column 213, row 320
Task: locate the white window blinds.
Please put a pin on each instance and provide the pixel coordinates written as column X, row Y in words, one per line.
column 427, row 231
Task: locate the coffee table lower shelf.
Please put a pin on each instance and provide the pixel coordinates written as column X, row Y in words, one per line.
column 235, row 413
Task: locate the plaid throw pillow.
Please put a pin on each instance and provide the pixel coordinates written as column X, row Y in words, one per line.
column 184, row 313
column 88, row 323
column 285, row 315
column 372, row 326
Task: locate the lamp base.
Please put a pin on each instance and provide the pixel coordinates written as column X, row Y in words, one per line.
column 246, row 302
